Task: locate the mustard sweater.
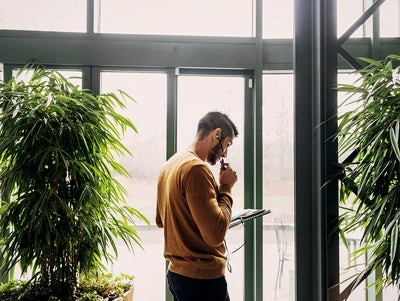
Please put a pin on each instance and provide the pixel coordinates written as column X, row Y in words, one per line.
column 195, row 214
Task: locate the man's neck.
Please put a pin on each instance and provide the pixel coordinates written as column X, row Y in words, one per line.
column 199, row 147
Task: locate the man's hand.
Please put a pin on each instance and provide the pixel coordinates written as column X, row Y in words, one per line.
column 227, row 176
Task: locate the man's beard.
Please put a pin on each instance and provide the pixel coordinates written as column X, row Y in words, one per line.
column 214, row 154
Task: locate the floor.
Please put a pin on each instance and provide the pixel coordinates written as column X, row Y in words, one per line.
column 148, row 266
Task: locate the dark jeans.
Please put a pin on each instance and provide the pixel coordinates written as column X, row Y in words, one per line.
column 190, row 289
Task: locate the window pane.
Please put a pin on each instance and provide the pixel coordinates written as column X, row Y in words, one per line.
column 347, row 13
column 198, row 95
column 278, row 19
column 176, row 17
column 390, row 18
column 278, row 187
column 43, row 15
column 149, row 150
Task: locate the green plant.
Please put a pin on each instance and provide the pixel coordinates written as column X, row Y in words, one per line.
column 25, row 291
column 371, row 179
column 11, row 290
column 91, row 287
column 61, row 206
column 101, row 284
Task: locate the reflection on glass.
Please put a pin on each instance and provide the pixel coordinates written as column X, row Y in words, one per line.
column 149, row 149
column 176, row 17
column 278, row 187
column 278, row 19
column 390, row 18
column 198, row 95
column 43, row 15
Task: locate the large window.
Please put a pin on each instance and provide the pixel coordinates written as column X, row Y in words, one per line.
column 113, row 21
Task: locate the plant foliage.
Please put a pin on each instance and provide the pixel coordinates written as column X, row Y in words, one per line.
column 61, row 206
column 371, row 181
column 93, row 287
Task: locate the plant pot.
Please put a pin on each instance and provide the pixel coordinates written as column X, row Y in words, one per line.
column 128, row 296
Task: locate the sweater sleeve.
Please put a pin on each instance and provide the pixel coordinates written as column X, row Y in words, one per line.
column 209, row 206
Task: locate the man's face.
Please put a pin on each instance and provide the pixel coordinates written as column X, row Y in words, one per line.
column 219, row 150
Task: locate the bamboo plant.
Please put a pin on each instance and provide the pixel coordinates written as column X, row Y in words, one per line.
column 369, row 134
column 61, row 206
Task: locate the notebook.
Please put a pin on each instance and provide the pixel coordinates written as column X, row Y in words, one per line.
column 246, row 215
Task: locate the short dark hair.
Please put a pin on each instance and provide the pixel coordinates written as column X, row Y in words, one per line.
column 213, row 120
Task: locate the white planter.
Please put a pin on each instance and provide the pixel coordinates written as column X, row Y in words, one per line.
column 128, row 296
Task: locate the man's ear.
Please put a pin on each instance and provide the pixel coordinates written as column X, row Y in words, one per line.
column 217, row 133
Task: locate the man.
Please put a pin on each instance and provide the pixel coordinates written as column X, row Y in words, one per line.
column 195, row 212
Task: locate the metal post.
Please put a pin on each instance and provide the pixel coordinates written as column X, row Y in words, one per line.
column 316, row 201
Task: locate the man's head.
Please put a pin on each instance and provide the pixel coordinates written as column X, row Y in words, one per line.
column 221, row 129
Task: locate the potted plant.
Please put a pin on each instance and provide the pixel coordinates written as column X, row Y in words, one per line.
column 93, row 287
column 61, row 206
column 370, row 133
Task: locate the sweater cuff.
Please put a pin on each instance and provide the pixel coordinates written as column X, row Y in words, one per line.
column 226, row 189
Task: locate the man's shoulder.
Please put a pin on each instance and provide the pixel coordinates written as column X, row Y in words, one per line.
column 185, row 158
column 187, row 163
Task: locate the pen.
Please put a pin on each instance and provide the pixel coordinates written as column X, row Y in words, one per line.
column 223, row 167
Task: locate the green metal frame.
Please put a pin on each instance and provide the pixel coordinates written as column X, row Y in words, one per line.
column 316, row 199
